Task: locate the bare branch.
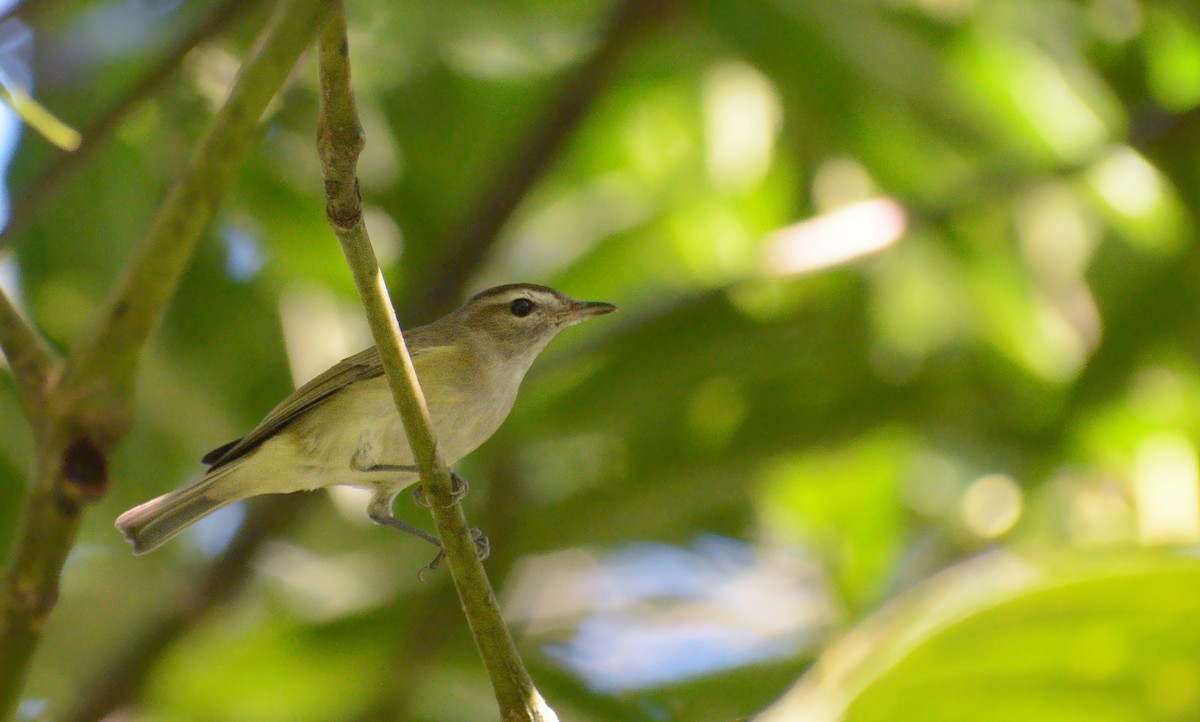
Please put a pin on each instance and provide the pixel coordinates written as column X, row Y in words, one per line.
column 166, row 248
column 89, row 410
column 340, row 139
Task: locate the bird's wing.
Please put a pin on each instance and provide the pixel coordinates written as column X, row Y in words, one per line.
column 361, row 366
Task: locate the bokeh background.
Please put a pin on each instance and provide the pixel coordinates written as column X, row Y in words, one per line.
column 898, row 420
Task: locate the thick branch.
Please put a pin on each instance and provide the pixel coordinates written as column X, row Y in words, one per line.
column 29, row 357
column 165, row 249
column 97, row 133
column 515, row 693
column 88, row 412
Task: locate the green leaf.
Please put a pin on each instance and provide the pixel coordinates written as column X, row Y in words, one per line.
column 1002, row 638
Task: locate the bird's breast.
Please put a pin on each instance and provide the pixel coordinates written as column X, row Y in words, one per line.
column 464, row 413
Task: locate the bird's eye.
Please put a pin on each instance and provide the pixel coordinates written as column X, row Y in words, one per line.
column 521, row 307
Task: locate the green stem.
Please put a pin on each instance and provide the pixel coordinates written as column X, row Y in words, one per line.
column 340, row 139
column 88, row 411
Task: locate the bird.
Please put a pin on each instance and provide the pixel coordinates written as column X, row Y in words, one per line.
column 342, row 428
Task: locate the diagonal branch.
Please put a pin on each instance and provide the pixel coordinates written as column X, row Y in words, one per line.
column 88, row 412
column 531, row 159
column 411, row 660
column 29, row 357
column 160, row 258
column 97, row 133
column 340, row 139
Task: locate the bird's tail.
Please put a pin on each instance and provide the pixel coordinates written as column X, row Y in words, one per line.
column 148, row 526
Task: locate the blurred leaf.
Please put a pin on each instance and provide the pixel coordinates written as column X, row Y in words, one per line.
column 1008, row 639
column 1026, row 352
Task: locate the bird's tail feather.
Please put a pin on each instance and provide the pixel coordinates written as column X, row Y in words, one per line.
column 150, row 525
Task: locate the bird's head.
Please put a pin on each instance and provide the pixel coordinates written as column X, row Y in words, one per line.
column 517, row 320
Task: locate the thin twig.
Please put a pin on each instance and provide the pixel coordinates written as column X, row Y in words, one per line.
column 88, row 412
column 340, row 140
column 29, row 357
column 97, row 133
column 628, row 22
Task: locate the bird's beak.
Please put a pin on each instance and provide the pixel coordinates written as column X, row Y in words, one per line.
column 583, row 310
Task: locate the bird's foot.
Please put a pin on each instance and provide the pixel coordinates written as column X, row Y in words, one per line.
column 460, row 490
column 483, row 550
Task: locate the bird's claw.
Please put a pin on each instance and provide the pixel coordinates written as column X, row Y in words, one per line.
column 460, row 490
column 483, row 549
column 461, row 487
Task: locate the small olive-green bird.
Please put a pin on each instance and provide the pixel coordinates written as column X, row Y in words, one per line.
column 342, row 427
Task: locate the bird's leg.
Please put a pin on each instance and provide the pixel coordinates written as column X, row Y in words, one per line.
column 360, row 462
column 383, row 468
column 380, row 511
column 461, row 487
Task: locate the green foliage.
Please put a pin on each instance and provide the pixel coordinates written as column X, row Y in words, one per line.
column 975, row 448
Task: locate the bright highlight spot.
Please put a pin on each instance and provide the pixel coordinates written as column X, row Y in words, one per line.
column 10, row 278
column 742, row 115
column 842, row 181
column 16, row 43
column 1165, row 486
column 1128, row 183
column 212, row 71
column 991, row 505
column 1057, row 106
column 243, row 254
column 318, row 331
column 351, row 502
column 325, row 587
column 1057, row 233
column 214, row 532
column 651, row 614
column 32, row 708
column 849, row 232
column 386, row 236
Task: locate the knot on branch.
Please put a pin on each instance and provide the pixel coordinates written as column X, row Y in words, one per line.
column 343, row 210
column 85, row 469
